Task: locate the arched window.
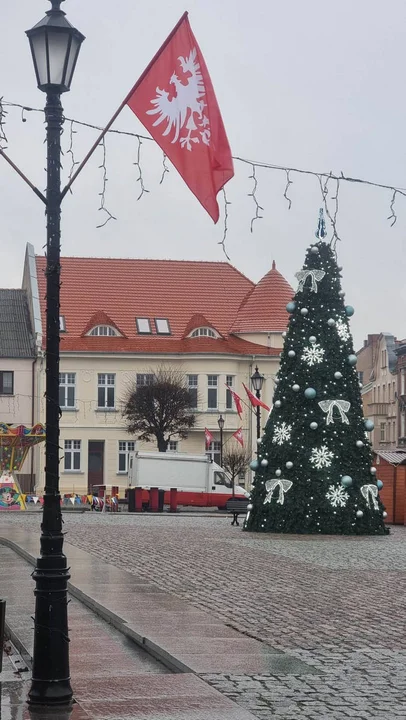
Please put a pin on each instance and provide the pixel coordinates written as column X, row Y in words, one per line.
column 203, row 332
column 103, row 330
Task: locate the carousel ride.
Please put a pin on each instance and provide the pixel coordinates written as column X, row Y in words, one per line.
column 15, row 442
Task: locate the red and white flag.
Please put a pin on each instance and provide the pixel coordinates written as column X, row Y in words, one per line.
column 254, row 400
column 174, row 99
column 209, row 438
column 237, row 400
column 238, row 435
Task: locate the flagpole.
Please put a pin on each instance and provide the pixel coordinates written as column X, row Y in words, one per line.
column 123, row 104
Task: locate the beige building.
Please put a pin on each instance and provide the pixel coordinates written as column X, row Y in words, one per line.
column 120, row 319
column 17, row 368
column 377, row 368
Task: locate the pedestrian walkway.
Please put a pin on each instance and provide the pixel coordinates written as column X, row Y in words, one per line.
column 112, row 675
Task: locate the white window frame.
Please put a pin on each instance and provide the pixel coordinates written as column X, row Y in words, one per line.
column 162, row 326
column 103, row 331
column 229, row 397
column 143, row 379
column 73, row 451
column 143, row 326
column 213, row 384
column 194, row 385
column 173, row 446
column 124, row 447
column 203, row 332
column 3, row 386
column 382, row 432
column 106, row 381
column 67, row 380
column 214, row 451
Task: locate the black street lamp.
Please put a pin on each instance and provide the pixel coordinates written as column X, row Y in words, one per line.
column 55, row 46
column 257, row 381
column 220, row 423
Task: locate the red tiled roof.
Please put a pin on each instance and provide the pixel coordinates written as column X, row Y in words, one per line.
column 184, row 292
column 264, row 309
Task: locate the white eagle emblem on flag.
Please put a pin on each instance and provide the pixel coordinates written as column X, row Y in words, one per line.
column 179, row 112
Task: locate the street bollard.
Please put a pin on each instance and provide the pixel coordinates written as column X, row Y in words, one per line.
column 153, row 499
column 173, row 500
column 2, row 628
column 131, row 499
column 138, row 499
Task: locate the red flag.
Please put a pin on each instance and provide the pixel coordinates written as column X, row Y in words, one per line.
column 209, row 438
column 175, row 100
column 239, row 436
column 237, row 400
column 254, row 400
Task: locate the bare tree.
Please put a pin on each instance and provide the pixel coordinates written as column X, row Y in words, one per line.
column 161, row 409
column 235, row 461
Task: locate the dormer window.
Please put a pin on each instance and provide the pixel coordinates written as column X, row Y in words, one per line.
column 103, row 330
column 143, row 326
column 162, row 326
column 204, row 332
column 62, row 324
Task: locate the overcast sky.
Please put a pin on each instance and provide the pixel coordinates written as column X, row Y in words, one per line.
column 315, row 85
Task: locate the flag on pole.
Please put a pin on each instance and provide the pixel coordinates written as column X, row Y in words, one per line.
column 254, row 400
column 238, row 435
column 174, row 99
column 237, row 400
column 209, row 438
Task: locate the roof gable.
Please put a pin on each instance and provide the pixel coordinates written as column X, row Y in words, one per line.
column 264, row 308
column 16, row 338
column 100, row 318
column 197, row 321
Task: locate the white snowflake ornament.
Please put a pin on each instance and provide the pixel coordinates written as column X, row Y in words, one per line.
column 321, row 457
column 313, row 354
column 342, row 330
column 337, row 496
column 282, row 433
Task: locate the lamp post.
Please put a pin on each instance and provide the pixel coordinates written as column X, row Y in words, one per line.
column 220, row 423
column 257, row 381
column 55, row 46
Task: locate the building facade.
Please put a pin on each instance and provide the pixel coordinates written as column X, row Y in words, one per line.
column 378, row 371
column 17, row 369
column 122, row 319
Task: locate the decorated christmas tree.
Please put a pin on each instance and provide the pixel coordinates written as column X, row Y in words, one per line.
column 313, row 472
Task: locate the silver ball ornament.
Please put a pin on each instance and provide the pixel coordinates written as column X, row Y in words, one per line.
column 304, row 311
column 284, row 334
column 264, row 462
column 314, row 250
column 359, row 514
column 312, row 339
column 313, row 426
column 292, row 353
column 278, row 403
column 295, row 387
column 359, row 444
column 384, row 514
column 331, row 322
column 372, row 470
column 289, row 465
column 249, row 507
column 278, row 473
column 341, row 293
column 338, row 375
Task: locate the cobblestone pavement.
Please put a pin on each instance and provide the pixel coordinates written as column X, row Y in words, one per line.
column 336, row 603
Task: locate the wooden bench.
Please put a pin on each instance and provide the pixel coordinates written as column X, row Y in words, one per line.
column 236, row 508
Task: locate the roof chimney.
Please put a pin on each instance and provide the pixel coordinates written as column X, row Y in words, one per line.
column 273, row 265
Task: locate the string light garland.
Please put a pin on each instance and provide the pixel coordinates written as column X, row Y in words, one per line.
column 325, row 179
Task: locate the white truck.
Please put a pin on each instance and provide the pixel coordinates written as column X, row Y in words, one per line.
column 198, row 480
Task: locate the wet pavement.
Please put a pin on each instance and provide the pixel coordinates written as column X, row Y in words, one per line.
column 328, row 612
